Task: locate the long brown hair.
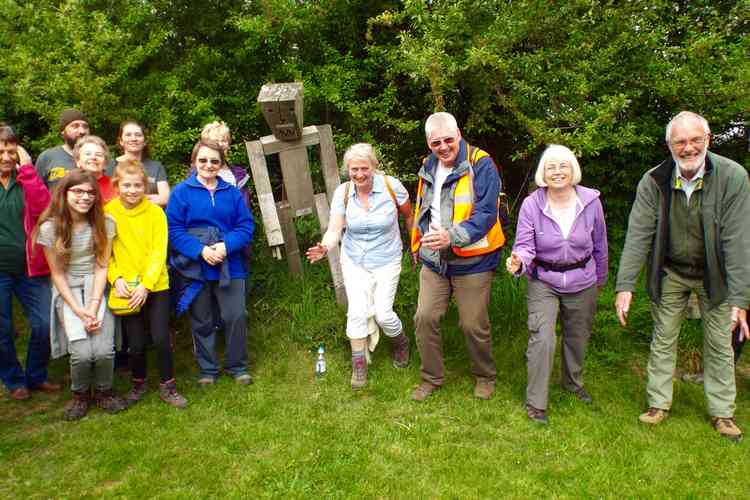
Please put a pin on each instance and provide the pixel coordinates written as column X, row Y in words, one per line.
column 59, row 213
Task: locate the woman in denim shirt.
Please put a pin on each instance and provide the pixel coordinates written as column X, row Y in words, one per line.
column 368, row 207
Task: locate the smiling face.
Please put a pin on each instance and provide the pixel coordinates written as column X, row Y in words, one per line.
column 132, row 189
column 80, row 198
column 132, row 139
column 688, row 143
column 558, row 174
column 444, row 143
column 360, row 172
column 8, row 157
column 91, row 157
column 207, row 164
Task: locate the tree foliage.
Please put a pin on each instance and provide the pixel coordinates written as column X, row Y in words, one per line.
column 600, row 77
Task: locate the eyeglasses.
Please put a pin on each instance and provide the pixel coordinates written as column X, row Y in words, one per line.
column 695, row 142
column 212, row 161
column 78, row 192
column 556, row 167
column 447, row 141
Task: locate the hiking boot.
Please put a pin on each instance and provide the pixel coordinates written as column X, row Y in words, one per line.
column 483, row 389
column 244, row 379
column 77, row 407
column 693, row 378
column 168, row 393
column 653, row 416
column 137, row 392
column 583, row 396
column 727, row 428
column 359, row 372
column 20, row 393
column 47, row 386
column 400, row 350
column 107, row 401
column 423, row 391
column 536, row 415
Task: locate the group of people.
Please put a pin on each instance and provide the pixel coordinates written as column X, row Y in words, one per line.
column 87, row 246
column 688, row 224
column 99, row 226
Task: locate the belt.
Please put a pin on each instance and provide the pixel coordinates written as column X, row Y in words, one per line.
column 561, row 268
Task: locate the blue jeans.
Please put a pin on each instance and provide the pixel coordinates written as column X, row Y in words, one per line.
column 34, row 294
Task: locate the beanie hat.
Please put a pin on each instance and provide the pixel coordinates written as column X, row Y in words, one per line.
column 70, row 115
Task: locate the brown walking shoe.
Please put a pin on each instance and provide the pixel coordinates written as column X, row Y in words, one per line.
column 423, row 391
column 77, row 407
column 47, row 386
column 20, row 393
column 484, row 389
column 107, row 401
column 168, row 393
column 359, row 372
column 653, row 416
column 400, row 350
column 536, row 415
column 137, row 392
column 727, row 428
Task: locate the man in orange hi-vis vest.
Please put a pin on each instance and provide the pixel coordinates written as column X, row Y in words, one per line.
column 457, row 238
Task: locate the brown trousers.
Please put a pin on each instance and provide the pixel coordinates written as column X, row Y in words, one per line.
column 472, row 295
column 576, row 317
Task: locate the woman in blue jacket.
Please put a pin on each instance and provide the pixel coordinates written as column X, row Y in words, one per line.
column 209, row 227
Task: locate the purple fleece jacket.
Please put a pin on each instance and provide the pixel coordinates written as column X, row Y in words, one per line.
column 538, row 235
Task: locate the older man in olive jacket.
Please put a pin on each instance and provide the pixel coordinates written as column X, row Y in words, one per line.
column 690, row 225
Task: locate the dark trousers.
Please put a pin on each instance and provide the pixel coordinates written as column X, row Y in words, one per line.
column 155, row 314
column 231, row 303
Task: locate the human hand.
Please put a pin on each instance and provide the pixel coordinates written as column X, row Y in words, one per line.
column 138, row 297
column 437, row 238
column 89, row 315
column 221, row 249
column 739, row 318
column 316, row 252
column 622, row 306
column 211, row 256
column 122, row 289
column 513, row 263
column 24, row 158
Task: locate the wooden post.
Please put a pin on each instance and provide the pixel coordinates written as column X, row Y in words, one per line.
column 295, row 169
column 334, row 257
column 263, row 189
column 293, row 259
column 328, row 161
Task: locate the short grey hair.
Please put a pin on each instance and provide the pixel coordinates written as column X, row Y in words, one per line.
column 560, row 153
column 684, row 116
column 439, row 119
column 91, row 139
column 360, row 151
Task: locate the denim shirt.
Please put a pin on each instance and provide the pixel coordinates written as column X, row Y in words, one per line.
column 372, row 238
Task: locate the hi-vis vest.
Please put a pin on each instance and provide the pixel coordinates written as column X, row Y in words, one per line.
column 463, row 203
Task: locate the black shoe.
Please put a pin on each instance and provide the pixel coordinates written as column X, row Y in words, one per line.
column 583, row 396
column 536, row 415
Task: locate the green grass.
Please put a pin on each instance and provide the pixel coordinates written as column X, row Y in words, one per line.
column 291, row 435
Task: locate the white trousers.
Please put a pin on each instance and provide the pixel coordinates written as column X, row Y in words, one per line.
column 370, row 295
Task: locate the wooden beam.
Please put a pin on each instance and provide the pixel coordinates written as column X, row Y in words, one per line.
column 328, row 160
column 334, row 257
column 272, row 145
column 295, row 169
column 262, row 183
column 293, row 260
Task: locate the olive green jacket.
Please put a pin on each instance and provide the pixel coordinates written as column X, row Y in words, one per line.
column 725, row 216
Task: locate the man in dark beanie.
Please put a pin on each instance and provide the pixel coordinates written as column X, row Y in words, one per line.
column 54, row 162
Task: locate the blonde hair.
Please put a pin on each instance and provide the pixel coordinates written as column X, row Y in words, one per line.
column 216, row 131
column 128, row 167
column 561, row 153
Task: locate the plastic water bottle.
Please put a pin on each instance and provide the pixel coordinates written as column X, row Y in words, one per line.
column 320, row 364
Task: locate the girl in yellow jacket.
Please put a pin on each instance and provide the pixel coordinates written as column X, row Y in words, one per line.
column 138, row 275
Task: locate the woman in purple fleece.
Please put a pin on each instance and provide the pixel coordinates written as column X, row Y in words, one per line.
column 561, row 246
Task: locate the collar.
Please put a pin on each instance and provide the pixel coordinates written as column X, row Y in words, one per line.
column 680, row 180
